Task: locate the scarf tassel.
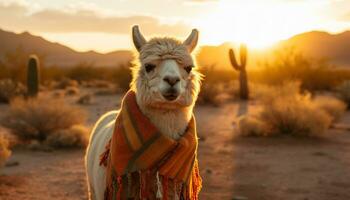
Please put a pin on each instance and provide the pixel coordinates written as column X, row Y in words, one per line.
column 119, row 188
column 177, row 190
column 143, row 184
column 114, row 190
column 159, row 187
column 129, row 180
column 165, row 183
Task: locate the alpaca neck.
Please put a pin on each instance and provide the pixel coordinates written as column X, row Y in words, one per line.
column 170, row 122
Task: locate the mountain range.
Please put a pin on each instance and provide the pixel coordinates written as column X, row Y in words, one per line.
column 335, row 48
column 317, row 45
column 57, row 54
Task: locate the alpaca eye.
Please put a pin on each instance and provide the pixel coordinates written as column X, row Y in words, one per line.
column 149, row 67
column 189, row 68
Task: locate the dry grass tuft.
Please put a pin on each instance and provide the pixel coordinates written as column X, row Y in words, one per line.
column 331, row 105
column 10, row 89
column 75, row 136
column 285, row 110
column 216, row 85
column 36, row 119
column 209, row 94
column 251, row 126
column 4, row 150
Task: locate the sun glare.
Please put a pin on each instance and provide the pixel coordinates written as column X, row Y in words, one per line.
column 259, row 25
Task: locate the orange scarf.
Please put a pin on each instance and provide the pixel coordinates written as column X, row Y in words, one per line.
column 138, row 146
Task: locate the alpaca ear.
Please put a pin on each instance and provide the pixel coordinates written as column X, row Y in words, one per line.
column 192, row 40
column 137, row 38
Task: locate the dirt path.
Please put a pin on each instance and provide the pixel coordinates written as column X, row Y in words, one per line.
column 231, row 167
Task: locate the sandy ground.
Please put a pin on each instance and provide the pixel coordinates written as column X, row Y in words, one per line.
column 232, row 168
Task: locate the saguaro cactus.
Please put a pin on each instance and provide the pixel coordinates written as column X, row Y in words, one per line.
column 33, row 76
column 243, row 79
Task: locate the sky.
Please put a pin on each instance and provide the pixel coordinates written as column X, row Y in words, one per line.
column 105, row 25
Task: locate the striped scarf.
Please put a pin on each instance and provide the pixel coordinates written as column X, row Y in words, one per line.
column 138, row 147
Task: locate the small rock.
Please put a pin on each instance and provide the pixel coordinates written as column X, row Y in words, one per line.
column 34, row 145
column 46, row 148
column 208, row 171
column 239, row 198
column 202, row 139
column 12, row 164
column 319, row 153
column 37, row 146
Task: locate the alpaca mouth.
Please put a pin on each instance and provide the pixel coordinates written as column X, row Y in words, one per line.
column 170, row 95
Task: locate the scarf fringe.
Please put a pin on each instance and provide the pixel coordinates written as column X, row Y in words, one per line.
column 181, row 190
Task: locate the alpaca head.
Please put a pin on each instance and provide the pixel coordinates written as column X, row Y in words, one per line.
column 166, row 77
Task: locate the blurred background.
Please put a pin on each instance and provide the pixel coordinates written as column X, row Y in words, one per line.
column 272, row 113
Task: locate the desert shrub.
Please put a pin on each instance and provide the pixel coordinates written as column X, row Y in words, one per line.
column 36, row 119
column 331, row 105
column 232, row 89
column 84, row 71
column 288, row 64
column 121, row 76
column 344, row 92
column 251, row 126
column 4, row 150
column 98, row 76
column 209, row 94
column 214, row 84
column 285, row 110
column 75, row 136
column 10, row 89
column 297, row 116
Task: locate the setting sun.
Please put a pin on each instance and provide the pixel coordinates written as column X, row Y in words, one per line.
column 258, row 24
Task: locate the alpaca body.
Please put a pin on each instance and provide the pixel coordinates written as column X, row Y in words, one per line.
column 100, row 135
column 166, row 90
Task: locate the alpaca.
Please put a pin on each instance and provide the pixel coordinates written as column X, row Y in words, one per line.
column 166, row 85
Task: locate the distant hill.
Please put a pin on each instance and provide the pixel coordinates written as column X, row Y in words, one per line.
column 321, row 45
column 57, row 54
column 317, row 45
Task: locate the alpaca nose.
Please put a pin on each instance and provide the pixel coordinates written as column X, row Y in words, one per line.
column 171, row 80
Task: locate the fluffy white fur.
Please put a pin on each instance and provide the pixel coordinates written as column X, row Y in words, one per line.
column 170, row 59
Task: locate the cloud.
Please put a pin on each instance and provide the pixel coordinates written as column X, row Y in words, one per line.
column 344, row 17
column 83, row 19
column 12, row 9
